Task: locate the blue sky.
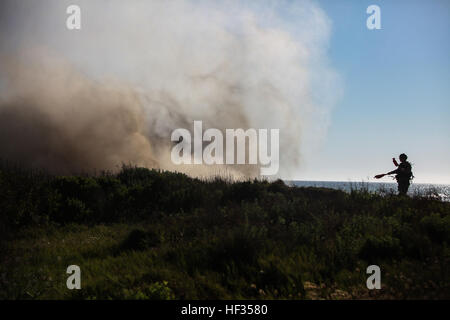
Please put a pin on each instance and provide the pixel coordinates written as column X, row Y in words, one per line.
column 396, row 95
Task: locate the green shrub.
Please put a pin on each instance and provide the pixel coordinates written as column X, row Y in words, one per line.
column 211, row 238
column 152, row 291
column 141, row 240
column 385, row 247
column 437, row 227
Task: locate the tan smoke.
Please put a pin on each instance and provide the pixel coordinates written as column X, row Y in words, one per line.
column 114, row 94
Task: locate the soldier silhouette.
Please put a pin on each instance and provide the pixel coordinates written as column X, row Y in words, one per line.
column 403, row 174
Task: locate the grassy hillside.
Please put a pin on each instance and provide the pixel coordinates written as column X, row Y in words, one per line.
column 145, row 234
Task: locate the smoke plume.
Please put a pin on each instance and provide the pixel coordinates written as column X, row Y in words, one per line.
column 114, row 91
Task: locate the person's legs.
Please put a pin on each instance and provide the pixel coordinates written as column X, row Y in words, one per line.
column 403, row 188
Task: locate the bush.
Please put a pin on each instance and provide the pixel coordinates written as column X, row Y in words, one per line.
column 152, row 291
column 141, row 240
column 437, row 227
column 211, row 238
column 385, row 247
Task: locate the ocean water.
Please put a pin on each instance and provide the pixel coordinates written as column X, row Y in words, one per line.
column 441, row 191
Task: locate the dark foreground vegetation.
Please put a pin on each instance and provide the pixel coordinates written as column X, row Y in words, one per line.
column 145, row 234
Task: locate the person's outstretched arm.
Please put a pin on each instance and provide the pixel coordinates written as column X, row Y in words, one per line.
column 392, row 172
column 379, row 176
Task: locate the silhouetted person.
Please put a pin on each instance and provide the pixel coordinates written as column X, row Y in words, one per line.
column 403, row 174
